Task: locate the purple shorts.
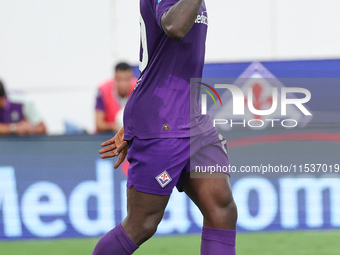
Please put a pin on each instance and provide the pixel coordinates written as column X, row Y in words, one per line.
column 158, row 165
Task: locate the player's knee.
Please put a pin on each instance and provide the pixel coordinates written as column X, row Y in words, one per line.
column 142, row 225
column 148, row 229
column 223, row 213
column 230, row 212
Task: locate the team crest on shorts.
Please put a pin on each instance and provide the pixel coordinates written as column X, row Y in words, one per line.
column 163, row 179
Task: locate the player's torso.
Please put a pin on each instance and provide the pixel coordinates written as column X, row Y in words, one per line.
column 162, row 94
column 12, row 113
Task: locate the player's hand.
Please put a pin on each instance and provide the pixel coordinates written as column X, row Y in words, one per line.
column 114, row 147
column 23, row 127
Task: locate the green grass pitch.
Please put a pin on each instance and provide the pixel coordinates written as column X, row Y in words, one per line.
column 280, row 243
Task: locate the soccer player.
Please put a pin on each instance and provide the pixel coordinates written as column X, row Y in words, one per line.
column 165, row 136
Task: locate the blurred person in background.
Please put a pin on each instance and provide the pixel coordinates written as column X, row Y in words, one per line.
column 112, row 97
column 18, row 114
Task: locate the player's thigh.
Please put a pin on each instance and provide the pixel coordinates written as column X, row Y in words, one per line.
column 214, row 198
column 207, row 191
column 145, row 211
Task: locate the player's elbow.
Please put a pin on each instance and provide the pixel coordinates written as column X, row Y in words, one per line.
column 174, row 32
column 173, row 27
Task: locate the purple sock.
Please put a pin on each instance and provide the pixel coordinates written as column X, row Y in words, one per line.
column 218, row 241
column 115, row 242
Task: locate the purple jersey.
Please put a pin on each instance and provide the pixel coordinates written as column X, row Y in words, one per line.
column 12, row 113
column 159, row 107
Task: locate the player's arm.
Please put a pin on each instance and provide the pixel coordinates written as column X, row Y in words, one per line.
column 6, row 129
column 101, row 124
column 179, row 19
column 39, row 129
column 20, row 128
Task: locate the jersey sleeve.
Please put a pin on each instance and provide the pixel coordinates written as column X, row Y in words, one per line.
column 161, row 7
column 100, row 102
